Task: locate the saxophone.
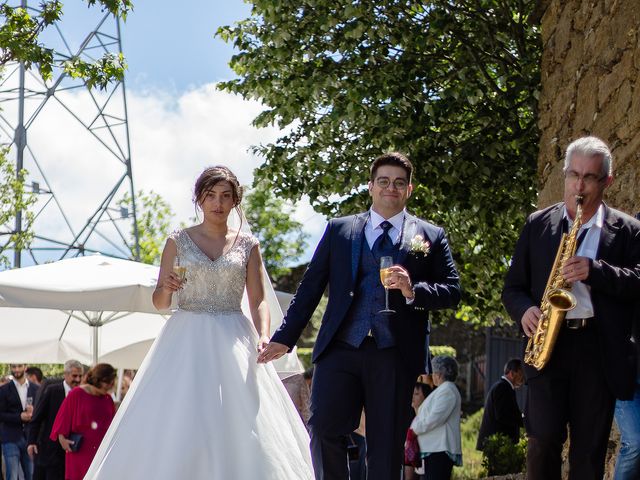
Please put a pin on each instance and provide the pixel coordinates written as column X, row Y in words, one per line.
column 557, row 299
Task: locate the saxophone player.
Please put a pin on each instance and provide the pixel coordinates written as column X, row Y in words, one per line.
column 593, row 360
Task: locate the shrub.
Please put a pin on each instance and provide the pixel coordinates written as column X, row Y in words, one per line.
column 501, row 456
column 304, row 354
column 442, row 350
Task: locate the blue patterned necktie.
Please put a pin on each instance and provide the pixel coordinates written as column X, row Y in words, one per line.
column 383, row 245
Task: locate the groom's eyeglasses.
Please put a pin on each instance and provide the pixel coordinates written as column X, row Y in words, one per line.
column 398, row 183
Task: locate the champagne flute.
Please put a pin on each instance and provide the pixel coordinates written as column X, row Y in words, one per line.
column 29, row 405
column 180, row 270
column 385, row 264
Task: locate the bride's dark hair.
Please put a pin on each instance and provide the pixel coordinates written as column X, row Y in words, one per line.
column 214, row 175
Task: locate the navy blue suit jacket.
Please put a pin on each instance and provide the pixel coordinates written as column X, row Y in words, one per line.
column 11, row 425
column 614, row 280
column 335, row 263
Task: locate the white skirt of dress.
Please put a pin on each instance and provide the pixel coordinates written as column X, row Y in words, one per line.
column 200, row 407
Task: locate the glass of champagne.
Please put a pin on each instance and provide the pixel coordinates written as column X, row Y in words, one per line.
column 385, row 264
column 180, row 270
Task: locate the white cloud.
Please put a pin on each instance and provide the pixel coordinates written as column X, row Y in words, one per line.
column 172, row 140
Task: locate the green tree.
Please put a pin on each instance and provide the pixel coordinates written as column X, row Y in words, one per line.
column 282, row 239
column 452, row 83
column 13, row 199
column 20, row 30
column 153, row 218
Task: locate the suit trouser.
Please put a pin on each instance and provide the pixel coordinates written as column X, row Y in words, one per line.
column 346, row 380
column 571, row 390
column 42, row 472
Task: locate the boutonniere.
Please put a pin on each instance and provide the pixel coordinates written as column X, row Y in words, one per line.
column 419, row 245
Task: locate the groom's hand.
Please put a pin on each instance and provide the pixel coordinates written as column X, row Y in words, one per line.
column 401, row 280
column 272, row 351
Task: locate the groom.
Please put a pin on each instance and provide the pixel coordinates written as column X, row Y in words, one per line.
column 364, row 358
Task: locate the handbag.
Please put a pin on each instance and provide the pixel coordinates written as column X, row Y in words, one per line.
column 77, row 441
column 412, row 450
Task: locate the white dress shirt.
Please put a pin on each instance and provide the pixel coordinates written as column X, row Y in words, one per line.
column 22, row 392
column 372, row 229
column 588, row 248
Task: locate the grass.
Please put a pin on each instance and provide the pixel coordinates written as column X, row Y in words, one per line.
column 471, row 468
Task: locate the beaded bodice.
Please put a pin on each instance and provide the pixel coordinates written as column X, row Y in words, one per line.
column 213, row 285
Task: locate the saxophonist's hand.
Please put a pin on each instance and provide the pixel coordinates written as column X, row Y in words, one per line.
column 576, row 269
column 530, row 320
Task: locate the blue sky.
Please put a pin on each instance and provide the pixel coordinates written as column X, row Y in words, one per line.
column 169, row 45
column 179, row 122
column 174, row 47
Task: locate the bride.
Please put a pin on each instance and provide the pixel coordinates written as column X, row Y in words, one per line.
column 200, row 406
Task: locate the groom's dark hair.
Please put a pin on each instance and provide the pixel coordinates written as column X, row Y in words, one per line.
column 395, row 159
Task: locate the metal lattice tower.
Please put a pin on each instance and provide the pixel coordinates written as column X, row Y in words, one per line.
column 74, row 143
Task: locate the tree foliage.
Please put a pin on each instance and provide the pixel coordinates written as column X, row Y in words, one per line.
column 282, row 239
column 20, row 30
column 452, row 83
column 14, row 199
column 153, row 217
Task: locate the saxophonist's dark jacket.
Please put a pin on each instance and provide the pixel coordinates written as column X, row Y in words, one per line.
column 614, row 280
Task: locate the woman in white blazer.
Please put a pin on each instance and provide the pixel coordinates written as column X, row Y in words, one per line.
column 437, row 423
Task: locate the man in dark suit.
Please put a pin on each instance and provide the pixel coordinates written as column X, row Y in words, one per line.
column 501, row 411
column 593, row 361
column 365, row 358
column 16, row 408
column 49, row 455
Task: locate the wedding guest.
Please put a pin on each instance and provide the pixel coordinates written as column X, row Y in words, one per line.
column 627, row 415
column 127, row 378
column 359, row 334
column 437, row 423
column 501, row 411
column 357, row 451
column 83, row 419
column 420, row 392
column 16, row 409
column 48, row 455
column 34, row 375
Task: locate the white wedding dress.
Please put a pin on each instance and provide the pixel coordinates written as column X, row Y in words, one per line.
column 200, row 406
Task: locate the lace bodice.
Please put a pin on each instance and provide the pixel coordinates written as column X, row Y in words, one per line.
column 213, row 285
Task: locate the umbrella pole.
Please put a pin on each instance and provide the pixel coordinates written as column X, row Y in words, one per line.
column 95, row 344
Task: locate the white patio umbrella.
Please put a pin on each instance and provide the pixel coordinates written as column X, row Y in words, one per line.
column 92, row 308
column 76, row 308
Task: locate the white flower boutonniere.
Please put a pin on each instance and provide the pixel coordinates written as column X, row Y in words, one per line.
column 420, row 246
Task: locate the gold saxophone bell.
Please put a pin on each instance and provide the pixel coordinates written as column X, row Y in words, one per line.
column 556, row 300
column 562, row 299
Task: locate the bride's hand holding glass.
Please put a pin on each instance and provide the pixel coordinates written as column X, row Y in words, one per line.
column 176, row 278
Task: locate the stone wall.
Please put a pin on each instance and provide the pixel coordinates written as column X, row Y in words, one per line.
column 590, row 85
